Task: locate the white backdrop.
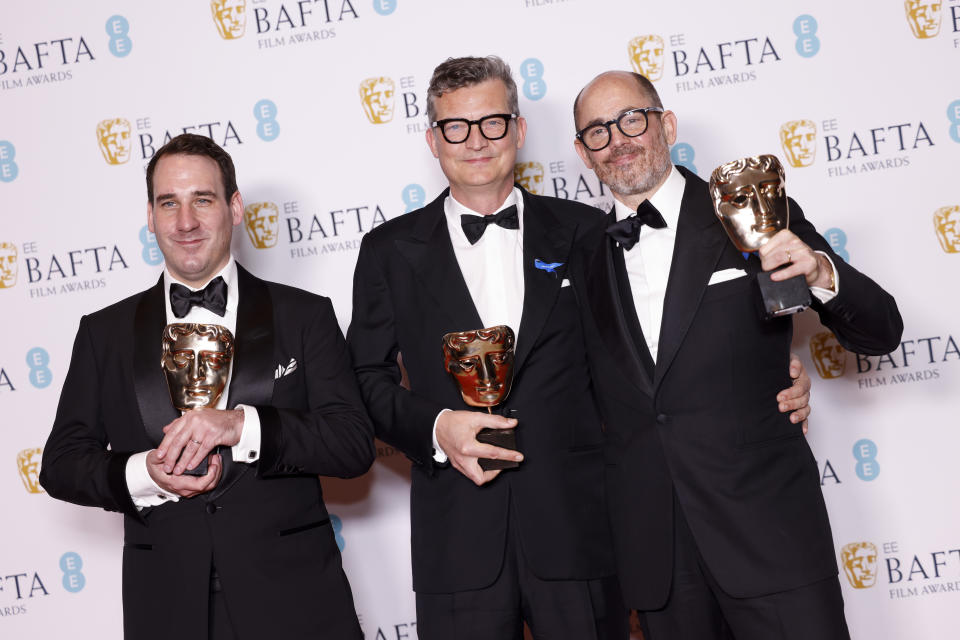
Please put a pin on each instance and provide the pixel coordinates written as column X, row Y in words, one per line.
column 877, row 84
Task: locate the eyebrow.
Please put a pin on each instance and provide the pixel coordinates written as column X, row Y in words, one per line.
column 597, row 121
column 198, row 192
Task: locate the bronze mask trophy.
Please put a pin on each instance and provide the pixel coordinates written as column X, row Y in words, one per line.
column 750, row 199
column 481, row 363
column 196, row 361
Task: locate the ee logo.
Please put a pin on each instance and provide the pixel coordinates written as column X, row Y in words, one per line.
column 838, row 242
column 414, row 197
column 865, row 452
column 40, row 374
column 953, row 114
column 384, row 7
column 268, row 128
column 682, row 154
column 117, row 28
column 151, row 250
column 805, row 28
column 534, row 87
column 73, row 578
column 8, row 168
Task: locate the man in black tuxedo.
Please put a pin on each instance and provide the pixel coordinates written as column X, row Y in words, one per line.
column 491, row 549
column 719, row 523
column 247, row 550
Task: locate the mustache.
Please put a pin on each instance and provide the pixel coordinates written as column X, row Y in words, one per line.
column 625, row 150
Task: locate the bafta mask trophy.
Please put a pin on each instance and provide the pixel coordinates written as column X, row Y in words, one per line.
column 750, row 200
column 196, row 361
column 481, row 363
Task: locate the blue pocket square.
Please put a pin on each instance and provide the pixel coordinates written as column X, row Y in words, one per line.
column 549, row 267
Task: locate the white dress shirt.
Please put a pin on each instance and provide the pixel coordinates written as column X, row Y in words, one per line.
column 492, row 269
column 648, row 262
column 143, row 490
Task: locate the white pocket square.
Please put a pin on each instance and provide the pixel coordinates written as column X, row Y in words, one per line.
column 281, row 370
column 565, row 283
column 726, row 274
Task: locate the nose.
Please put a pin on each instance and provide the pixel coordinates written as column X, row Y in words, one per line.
column 487, row 371
column 186, row 219
column 763, row 205
column 195, row 374
column 475, row 139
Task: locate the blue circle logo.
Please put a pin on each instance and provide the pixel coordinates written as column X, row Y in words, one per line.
column 414, row 197
column 805, row 28
column 534, row 87
column 268, row 128
column 838, row 242
column 151, row 250
column 40, row 374
column 8, row 168
column 384, row 7
column 953, row 114
column 682, row 154
column 865, row 453
column 117, row 28
column 73, row 579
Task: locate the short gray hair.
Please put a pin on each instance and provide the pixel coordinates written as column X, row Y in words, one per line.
column 456, row 73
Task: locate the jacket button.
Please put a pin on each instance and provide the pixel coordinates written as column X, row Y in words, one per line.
column 211, row 508
column 662, row 418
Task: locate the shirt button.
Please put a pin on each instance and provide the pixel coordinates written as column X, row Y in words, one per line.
column 211, row 508
column 662, row 418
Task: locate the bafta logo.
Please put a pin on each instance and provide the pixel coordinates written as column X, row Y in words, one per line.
column 924, row 17
column 646, row 56
column 946, row 220
column 113, row 136
column 530, row 176
column 230, row 16
column 376, row 95
column 829, row 357
column 28, row 465
column 196, row 361
column 262, row 220
column 799, row 141
column 860, row 564
column 8, row 265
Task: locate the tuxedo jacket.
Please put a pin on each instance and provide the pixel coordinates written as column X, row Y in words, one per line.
column 703, row 424
column 408, row 292
column 264, row 527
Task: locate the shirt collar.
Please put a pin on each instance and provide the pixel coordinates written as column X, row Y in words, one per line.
column 667, row 199
column 453, row 209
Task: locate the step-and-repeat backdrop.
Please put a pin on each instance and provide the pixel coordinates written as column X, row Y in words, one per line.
column 322, row 105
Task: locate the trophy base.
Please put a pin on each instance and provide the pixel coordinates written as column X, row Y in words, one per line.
column 782, row 298
column 503, row 438
column 200, row 469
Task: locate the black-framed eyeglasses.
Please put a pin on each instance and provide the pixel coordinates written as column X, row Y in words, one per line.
column 492, row 127
column 631, row 123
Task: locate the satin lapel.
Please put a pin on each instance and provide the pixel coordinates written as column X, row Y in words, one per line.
column 608, row 313
column 251, row 381
column 700, row 243
column 545, row 238
column 149, row 382
column 429, row 252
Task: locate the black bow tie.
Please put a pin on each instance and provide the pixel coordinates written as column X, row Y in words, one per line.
column 474, row 226
column 212, row 297
column 627, row 231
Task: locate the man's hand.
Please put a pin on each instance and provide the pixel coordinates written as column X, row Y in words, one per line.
column 784, row 248
column 457, row 436
column 797, row 397
column 190, row 437
column 184, row 486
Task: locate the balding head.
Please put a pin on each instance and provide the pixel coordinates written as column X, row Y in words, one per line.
column 645, row 86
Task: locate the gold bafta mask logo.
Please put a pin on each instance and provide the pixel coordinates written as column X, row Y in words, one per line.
column 376, row 95
column 481, row 362
column 262, row 220
column 799, row 141
column 946, row 220
column 750, row 200
column 230, row 16
column 530, row 176
column 114, row 138
column 646, row 56
column 924, row 17
column 829, row 357
column 28, row 465
column 860, row 564
column 196, row 361
column 8, row 265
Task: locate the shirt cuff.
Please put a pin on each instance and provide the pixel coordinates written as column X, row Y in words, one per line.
column 439, row 456
column 248, row 448
column 143, row 490
column 826, row 295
